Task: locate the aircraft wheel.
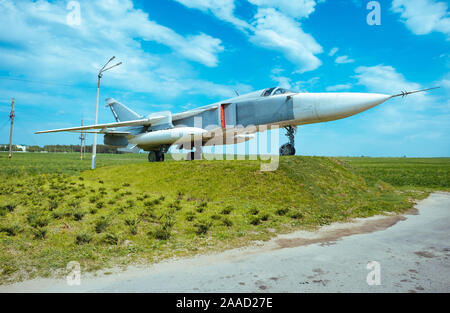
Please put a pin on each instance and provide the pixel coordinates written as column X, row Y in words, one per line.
column 152, row 156
column 287, row 149
column 159, row 156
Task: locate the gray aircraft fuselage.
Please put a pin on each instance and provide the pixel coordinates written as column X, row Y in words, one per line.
column 267, row 107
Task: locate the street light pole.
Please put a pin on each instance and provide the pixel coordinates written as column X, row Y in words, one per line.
column 11, row 131
column 100, row 74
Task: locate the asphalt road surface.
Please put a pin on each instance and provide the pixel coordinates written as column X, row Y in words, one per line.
column 408, row 254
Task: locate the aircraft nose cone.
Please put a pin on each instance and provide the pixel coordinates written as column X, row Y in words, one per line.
column 319, row 107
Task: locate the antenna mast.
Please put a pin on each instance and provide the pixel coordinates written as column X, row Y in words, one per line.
column 11, row 116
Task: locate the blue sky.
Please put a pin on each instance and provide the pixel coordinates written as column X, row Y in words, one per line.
column 179, row 54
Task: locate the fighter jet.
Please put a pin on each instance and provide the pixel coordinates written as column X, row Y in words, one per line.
column 237, row 118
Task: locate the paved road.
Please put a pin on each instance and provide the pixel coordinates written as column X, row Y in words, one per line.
column 413, row 254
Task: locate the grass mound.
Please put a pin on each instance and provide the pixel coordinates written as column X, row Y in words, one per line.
column 146, row 212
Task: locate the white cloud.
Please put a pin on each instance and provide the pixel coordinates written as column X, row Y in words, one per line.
column 295, row 86
column 423, row 16
column 42, row 46
column 344, row 60
column 339, row 87
column 333, row 51
column 109, row 22
column 271, row 28
column 223, row 10
column 383, row 79
column 297, row 8
column 417, row 113
column 282, row 81
column 276, row 31
column 445, row 83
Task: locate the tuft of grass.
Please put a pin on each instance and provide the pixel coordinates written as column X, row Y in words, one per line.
column 78, row 215
column 11, row 229
column 190, row 216
column 37, row 219
column 111, row 239
column 163, row 231
column 202, row 227
column 282, row 211
column 39, row 233
column 226, row 221
column 101, row 224
column 265, row 217
column 296, row 215
column 255, row 220
column 175, row 205
column 216, row 217
column 53, row 204
column 160, row 233
column 61, row 213
column 131, row 221
column 133, row 229
column 83, row 238
column 226, row 210
column 8, row 208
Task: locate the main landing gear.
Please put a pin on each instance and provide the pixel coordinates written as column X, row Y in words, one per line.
column 289, row 148
column 158, row 156
column 155, row 156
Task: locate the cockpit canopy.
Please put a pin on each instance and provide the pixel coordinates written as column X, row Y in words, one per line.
column 274, row 91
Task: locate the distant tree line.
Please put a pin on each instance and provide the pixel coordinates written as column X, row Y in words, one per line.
column 6, row 148
column 63, row 148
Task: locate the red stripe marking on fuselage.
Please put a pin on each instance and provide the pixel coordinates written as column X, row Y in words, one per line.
column 222, row 115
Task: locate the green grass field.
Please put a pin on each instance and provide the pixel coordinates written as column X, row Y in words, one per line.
column 415, row 172
column 54, row 210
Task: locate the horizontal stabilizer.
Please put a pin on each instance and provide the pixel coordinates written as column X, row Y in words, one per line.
column 130, row 149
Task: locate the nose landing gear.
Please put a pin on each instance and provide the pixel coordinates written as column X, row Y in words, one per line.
column 289, row 148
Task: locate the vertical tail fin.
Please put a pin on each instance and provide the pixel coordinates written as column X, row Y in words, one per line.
column 121, row 112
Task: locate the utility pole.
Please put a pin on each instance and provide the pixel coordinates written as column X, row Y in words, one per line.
column 81, row 142
column 100, row 74
column 11, row 116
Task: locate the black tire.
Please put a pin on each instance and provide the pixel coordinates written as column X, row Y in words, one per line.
column 159, row 156
column 287, row 149
column 152, row 156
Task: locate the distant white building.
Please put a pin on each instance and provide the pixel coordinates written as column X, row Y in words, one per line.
column 23, row 148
